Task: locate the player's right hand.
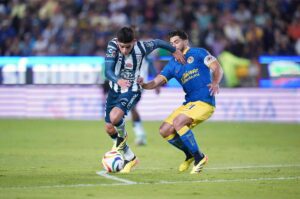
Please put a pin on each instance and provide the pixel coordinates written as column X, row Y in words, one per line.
column 213, row 88
column 123, row 83
column 157, row 90
column 179, row 56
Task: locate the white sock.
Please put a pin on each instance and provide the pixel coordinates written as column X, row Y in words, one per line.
column 128, row 154
column 121, row 130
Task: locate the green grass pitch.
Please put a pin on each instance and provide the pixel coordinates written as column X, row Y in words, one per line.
column 60, row 158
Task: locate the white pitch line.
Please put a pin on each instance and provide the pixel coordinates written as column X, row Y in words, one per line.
column 106, row 175
column 254, row 167
column 231, row 180
column 125, row 182
column 158, row 183
column 236, row 167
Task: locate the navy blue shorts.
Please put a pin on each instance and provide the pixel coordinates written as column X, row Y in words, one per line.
column 124, row 101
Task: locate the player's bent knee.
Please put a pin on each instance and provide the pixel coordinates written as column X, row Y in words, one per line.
column 115, row 119
column 166, row 129
column 162, row 132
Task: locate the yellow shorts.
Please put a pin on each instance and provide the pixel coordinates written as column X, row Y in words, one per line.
column 198, row 111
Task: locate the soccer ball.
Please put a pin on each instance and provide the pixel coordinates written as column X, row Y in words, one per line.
column 113, row 161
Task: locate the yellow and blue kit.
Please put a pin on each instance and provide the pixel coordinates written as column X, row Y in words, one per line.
column 194, row 76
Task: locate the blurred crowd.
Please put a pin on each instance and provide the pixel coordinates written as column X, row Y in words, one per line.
column 245, row 28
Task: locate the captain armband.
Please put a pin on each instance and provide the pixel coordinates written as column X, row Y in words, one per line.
column 209, row 59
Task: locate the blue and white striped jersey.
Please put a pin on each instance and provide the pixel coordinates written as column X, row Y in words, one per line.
column 129, row 67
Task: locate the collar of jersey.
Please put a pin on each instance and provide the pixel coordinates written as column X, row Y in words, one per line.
column 185, row 50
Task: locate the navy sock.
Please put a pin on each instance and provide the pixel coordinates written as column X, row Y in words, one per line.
column 175, row 140
column 187, row 137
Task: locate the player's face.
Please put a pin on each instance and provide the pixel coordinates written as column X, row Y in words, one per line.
column 126, row 48
column 178, row 43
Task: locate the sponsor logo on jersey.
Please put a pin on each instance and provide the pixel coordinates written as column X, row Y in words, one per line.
column 127, row 74
column 191, row 74
column 128, row 65
column 149, row 44
column 111, row 52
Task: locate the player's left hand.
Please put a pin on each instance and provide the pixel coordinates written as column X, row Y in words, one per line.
column 179, row 56
column 214, row 88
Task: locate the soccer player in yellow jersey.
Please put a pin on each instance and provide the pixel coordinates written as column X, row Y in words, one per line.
column 200, row 88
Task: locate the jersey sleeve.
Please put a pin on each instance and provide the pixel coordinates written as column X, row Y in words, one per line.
column 168, row 71
column 109, row 71
column 110, row 61
column 149, row 46
column 111, row 51
column 208, row 59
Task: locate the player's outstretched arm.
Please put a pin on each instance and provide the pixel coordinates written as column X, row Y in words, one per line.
column 178, row 55
column 159, row 80
column 217, row 77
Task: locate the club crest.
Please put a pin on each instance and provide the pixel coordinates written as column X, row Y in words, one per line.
column 190, row 59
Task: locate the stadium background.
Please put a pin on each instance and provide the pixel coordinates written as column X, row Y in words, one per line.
column 250, row 39
column 51, row 67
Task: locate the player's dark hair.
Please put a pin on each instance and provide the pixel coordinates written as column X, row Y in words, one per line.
column 125, row 35
column 180, row 33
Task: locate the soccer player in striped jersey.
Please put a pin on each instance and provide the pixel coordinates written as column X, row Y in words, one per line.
column 199, row 105
column 124, row 56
